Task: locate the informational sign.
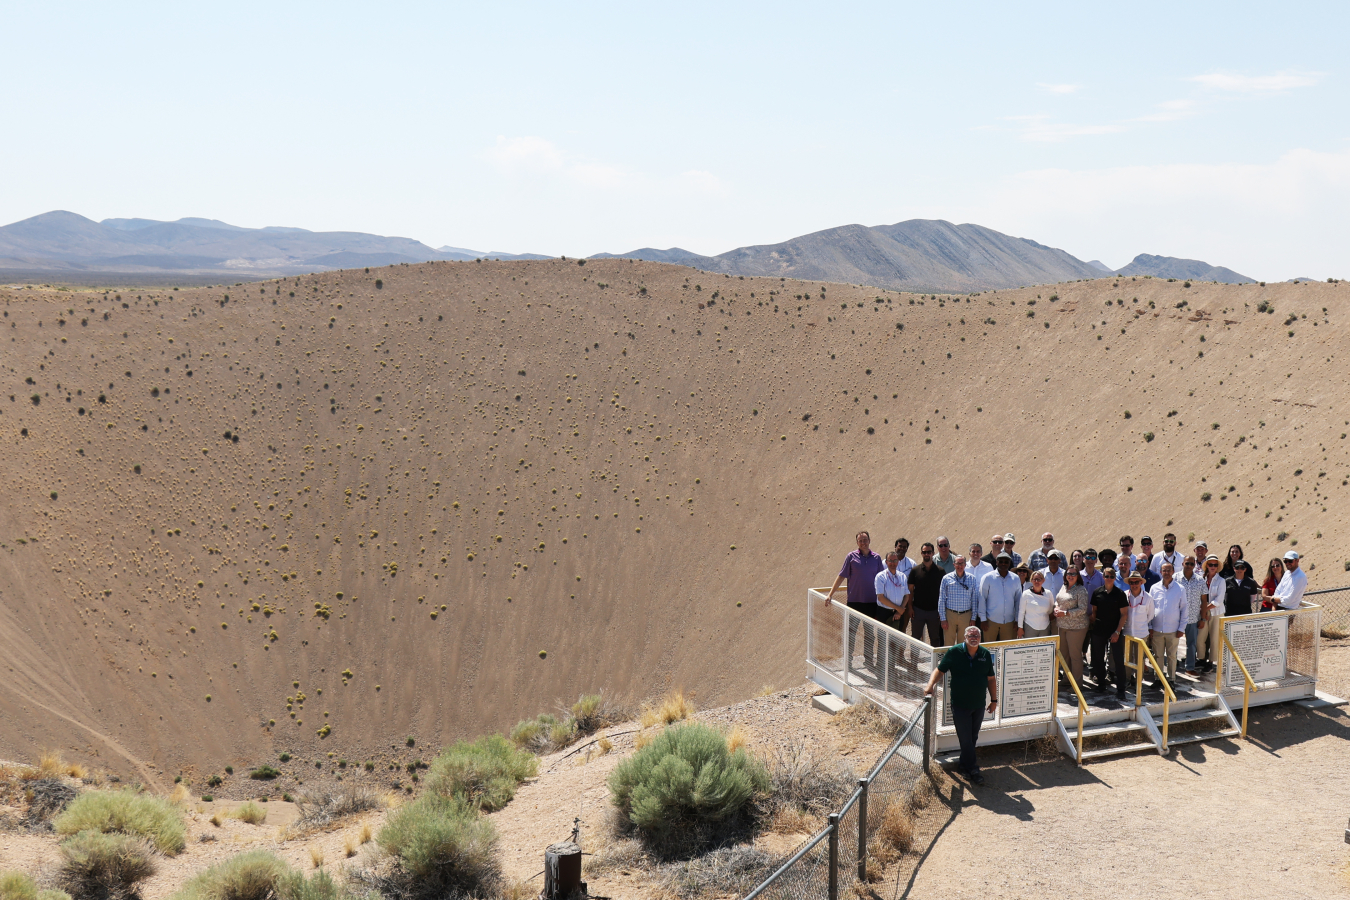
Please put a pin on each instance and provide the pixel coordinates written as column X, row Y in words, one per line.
column 947, row 690
column 1262, row 645
column 1027, row 684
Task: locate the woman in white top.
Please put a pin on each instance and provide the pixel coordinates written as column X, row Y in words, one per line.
column 1033, row 615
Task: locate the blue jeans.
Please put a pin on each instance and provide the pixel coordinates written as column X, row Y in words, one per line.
column 1192, row 635
column 968, row 722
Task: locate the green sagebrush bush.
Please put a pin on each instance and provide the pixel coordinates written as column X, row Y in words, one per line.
column 259, row 875
column 98, row 866
column 18, row 886
column 129, row 813
column 687, row 775
column 444, row 845
column 485, row 773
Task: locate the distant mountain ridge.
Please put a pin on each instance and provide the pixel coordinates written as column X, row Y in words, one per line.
column 914, row 255
column 64, row 242
column 1172, row 267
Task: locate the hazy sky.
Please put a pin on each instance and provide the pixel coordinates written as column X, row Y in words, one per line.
column 1216, row 131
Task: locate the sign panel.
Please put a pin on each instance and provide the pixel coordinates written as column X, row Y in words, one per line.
column 1027, row 686
column 1262, row 645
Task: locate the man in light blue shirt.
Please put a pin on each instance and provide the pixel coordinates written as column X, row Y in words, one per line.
column 1169, row 621
column 956, row 602
column 1000, row 594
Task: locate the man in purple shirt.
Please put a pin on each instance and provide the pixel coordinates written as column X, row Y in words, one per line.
column 860, row 570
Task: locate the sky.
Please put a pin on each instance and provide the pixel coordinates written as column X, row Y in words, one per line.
column 1214, row 131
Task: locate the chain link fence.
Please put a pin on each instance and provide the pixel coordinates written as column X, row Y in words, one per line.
column 831, row 861
column 1335, row 603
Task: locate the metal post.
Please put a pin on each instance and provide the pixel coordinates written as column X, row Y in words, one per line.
column 928, row 736
column 847, row 645
column 862, row 831
column 834, row 856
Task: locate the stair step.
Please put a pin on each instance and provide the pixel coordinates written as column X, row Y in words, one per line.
column 1123, row 748
column 1194, row 736
column 1091, row 731
column 1194, row 715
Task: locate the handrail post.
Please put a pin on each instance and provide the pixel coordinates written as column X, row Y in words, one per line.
column 834, row 856
column 862, row 830
column 1247, row 682
column 928, row 726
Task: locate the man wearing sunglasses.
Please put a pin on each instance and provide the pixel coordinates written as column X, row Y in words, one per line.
column 944, row 557
column 1169, row 554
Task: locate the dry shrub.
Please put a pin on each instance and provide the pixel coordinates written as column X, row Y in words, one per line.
column 98, row 866
column 519, row 889
column 866, row 719
column 738, row 739
column 622, row 853
column 438, row 846
column 921, row 795
column 18, row 886
column 349, row 846
column 50, row 764
column 129, row 813
column 643, row 738
column 674, row 707
column 727, row 871
column 316, row 856
column 791, row 820
column 250, row 812
column 604, row 746
column 802, row 782
column 894, row 827
column 180, row 794
column 365, row 834
column 46, row 798
column 321, row 807
column 215, row 819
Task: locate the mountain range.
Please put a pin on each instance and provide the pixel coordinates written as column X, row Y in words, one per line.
column 914, row 255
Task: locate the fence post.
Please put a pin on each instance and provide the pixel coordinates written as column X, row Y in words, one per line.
column 927, row 736
column 834, row 856
column 862, row 830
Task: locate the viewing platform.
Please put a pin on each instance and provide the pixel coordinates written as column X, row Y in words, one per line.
column 1267, row 658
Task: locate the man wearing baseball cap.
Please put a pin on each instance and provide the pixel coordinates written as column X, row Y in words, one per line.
column 1289, row 592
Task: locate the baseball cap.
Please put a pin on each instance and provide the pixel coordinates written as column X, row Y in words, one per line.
column 1202, row 544
column 1241, row 564
column 1058, row 553
column 1003, row 556
column 1292, row 554
column 1146, row 540
column 1010, row 537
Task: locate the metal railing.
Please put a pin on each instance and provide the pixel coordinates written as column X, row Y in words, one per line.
column 1247, row 684
column 832, row 860
column 1169, row 697
column 1300, row 643
column 1062, row 666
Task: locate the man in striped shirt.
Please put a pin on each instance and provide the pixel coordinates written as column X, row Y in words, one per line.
column 956, row 602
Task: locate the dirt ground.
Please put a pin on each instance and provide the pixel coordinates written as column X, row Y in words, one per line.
column 1265, row 817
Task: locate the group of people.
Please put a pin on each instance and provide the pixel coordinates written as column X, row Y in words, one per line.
column 1091, row 599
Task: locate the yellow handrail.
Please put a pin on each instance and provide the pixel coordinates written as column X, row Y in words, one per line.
column 1247, row 684
column 1082, row 704
column 1168, row 695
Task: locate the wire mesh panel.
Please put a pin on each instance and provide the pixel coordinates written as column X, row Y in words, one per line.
column 1335, row 603
column 848, row 846
column 807, row 877
column 887, row 666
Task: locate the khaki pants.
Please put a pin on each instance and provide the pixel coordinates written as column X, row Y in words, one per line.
column 955, row 632
column 1215, row 641
column 1071, row 645
column 1202, row 630
column 1165, row 652
column 1000, row 631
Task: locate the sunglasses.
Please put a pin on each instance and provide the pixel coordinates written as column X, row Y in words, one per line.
column 943, row 546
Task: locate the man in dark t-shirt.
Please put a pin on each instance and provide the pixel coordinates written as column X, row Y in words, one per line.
column 925, row 584
column 1105, row 626
column 971, row 668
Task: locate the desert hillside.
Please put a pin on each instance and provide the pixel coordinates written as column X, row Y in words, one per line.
column 335, row 511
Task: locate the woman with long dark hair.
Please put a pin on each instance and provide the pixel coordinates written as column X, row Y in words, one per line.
column 1234, row 554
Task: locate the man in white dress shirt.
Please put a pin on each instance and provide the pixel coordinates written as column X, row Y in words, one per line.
column 1169, row 554
column 1169, row 622
column 976, row 566
column 1138, row 618
column 1289, row 592
column 893, row 591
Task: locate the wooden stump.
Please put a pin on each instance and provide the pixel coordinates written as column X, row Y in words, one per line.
column 562, row 871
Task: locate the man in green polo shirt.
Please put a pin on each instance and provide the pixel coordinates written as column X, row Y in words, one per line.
column 972, row 673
